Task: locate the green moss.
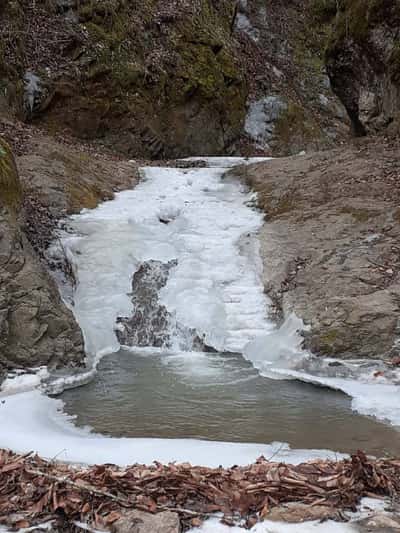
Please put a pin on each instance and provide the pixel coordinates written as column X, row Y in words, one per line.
column 294, row 123
column 323, row 11
column 330, row 336
column 327, row 341
column 359, row 214
column 394, row 64
column 10, row 186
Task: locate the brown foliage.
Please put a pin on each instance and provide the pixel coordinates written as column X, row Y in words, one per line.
column 33, row 490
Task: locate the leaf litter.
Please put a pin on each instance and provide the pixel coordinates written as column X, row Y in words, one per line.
column 33, row 490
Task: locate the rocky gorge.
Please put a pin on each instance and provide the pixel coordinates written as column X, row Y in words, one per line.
column 91, row 90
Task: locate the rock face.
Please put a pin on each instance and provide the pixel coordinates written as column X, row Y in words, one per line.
column 35, row 327
column 169, row 78
column 150, row 323
column 291, row 106
column 153, row 78
column 363, row 62
column 330, row 246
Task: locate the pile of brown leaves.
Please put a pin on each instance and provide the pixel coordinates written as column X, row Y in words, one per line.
column 33, row 490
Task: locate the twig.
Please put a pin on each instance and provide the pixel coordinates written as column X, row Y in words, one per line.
column 88, row 488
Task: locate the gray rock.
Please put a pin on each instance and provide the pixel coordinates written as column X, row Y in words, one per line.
column 141, row 522
column 379, row 522
column 299, row 512
column 36, row 327
column 329, row 247
column 151, row 324
column 363, row 69
column 261, row 118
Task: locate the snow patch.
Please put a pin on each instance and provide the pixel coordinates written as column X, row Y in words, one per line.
column 243, row 24
column 214, row 526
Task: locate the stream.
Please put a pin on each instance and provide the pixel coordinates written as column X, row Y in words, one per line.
column 180, row 345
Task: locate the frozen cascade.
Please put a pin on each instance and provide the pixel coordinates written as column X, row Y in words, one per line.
column 203, row 229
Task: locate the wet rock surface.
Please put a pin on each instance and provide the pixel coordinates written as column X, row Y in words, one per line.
column 151, row 323
column 330, row 245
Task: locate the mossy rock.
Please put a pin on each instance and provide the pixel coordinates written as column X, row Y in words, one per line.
column 359, row 214
column 294, row 125
column 394, row 64
column 323, row 11
column 10, row 185
column 356, row 18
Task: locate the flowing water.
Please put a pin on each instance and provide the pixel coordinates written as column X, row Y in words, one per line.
column 171, row 271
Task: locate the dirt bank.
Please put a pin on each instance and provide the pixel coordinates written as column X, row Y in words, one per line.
column 330, row 245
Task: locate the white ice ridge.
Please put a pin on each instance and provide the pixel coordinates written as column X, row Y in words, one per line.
column 374, row 389
column 216, row 286
column 36, row 422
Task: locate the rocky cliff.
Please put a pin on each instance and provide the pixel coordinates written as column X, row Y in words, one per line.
column 35, row 327
column 363, row 62
column 154, row 78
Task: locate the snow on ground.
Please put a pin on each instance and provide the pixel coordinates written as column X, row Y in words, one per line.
column 214, row 526
column 367, row 508
column 21, row 381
